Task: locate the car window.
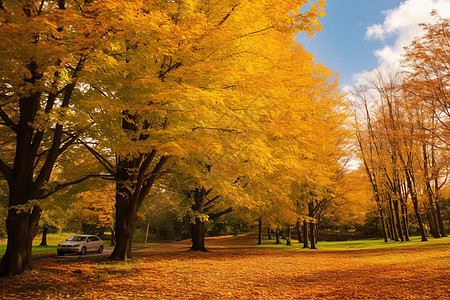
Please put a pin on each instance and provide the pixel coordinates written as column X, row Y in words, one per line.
column 94, row 238
column 77, row 238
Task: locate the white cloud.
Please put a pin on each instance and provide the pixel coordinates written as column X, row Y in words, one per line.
column 401, row 24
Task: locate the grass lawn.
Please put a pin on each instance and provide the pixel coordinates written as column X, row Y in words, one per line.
column 236, row 268
column 364, row 244
column 54, row 239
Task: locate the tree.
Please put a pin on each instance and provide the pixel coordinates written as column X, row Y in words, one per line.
column 47, row 49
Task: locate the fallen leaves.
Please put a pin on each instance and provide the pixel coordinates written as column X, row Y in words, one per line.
column 241, row 271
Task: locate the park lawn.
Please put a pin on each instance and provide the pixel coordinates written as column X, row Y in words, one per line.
column 53, row 239
column 374, row 243
column 235, row 268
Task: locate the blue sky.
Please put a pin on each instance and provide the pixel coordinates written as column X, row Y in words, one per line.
column 360, row 35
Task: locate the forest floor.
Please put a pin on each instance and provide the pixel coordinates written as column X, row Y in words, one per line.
column 235, row 268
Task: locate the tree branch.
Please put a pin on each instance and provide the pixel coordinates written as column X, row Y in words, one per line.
column 101, row 159
column 7, row 120
column 5, row 170
column 149, row 182
column 218, row 215
column 212, row 200
column 45, row 193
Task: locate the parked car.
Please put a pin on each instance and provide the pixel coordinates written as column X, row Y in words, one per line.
column 81, row 243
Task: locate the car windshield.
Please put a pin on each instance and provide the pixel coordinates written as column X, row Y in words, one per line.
column 77, row 238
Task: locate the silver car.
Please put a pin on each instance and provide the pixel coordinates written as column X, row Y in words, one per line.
column 81, row 244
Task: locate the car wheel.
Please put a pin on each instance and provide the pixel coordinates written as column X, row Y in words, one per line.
column 83, row 251
column 100, row 249
column 60, row 253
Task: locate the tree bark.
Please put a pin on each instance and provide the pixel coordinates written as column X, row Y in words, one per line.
column 415, row 202
column 198, row 227
column 131, row 189
column 146, row 231
column 44, row 236
column 383, row 225
column 299, row 232
column 269, row 235
column 288, row 235
column 440, row 219
column 22, row 228
column 312, row 235
column 305, row 234
column 398, row 220
column 260, row 231
column 277, row 236
column 405, row 221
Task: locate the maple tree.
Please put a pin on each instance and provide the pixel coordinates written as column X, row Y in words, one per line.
column 188, row 90
column 209, row 75
column 46, row 49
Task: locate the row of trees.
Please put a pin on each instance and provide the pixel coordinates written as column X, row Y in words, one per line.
column 403, row 129
column 211, row 104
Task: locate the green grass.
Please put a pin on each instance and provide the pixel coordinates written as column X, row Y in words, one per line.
column 54, row 239
column 364, row 244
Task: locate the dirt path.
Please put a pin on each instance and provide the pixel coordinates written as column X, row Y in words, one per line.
column 236, row 269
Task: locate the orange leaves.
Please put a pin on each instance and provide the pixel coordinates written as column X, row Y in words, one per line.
column 235, row 268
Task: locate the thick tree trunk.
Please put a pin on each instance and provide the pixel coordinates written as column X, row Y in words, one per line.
column 260, row 231
column 305, row 234
column 277, row 236
column 22, row 228
column 124, row 230
column 198, row 236
column 198, row 227
column 44, row 236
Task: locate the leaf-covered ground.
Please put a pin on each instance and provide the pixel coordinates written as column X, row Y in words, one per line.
column 235, row 269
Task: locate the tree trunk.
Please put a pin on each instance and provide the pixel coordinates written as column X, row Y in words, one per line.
column 259, row 231
column 440, row 220
column 299, row 232
column 198, row 236
column 277, row 236
column 392, row 222
column 113, row 237
column 305, row 234
column 312, row 235
column 133, row 184
column 405, row 221
column 44, row 236
column 383, row 225
column 398, row 220
column 269, row 235
column 22, row 228
column 124, row 230
column 412, row 190
column 288, row 235
column 198, row 227
column 146, row 231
